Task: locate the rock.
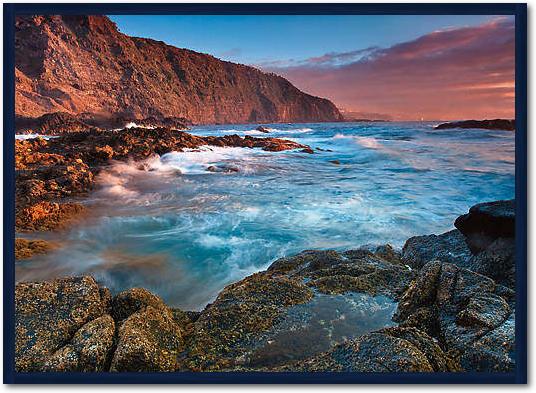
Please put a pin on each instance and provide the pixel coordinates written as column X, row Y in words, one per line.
column 48, row 314
column 352, row 271
column 448, row 247
column 307, row 150
column 496, row 124
column 460, row 307
column 222, row 169
column 55, row 123
column 227, row 329
column 149, row 340
column 82, row 64
column 88, row 351
column 49, row 171
column 487, row 222
column 387, row 350
column 44, row 216
column 28, row 248
column 263, row 129
column 130, row 301
column 335, row 162
column 489, row 230
column 498, row 261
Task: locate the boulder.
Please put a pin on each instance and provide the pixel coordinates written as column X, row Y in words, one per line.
column 149, row 340
column 88, row 351
column 460, row 308
column 48, row 314
column 132, row 300
column 487, row 222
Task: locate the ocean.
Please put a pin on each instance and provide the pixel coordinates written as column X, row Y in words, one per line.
column 186, row 224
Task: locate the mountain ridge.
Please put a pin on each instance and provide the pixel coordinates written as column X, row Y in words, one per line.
column 84, row 66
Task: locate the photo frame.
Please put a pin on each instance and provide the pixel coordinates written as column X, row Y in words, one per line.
column 515, row 11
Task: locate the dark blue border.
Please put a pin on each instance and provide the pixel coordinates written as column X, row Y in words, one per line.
column 520, row 12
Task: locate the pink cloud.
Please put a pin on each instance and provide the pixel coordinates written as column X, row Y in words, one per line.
column 450, row 74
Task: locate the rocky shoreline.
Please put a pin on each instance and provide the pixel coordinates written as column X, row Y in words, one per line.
column 442, row 304
column 51, row 174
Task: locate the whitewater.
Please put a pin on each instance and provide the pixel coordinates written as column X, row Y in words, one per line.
column 185, row 224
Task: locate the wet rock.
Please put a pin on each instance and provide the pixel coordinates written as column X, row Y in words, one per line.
column 88, row 351
column 227, row 330
column 352, row 271
column 495, row 124
column 222, row 169
column 48, row 314
column 149, row 340
column 459, row 308
column 266, row 130
column 25, row 248
column 387, row 350
column 498, row 261
column 47, row 172
column 448, row 247
column 132, row 300
column 335, row 162
column 487, row 222
column 307, row 150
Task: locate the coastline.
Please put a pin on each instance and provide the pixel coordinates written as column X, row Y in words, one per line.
column 447, row 315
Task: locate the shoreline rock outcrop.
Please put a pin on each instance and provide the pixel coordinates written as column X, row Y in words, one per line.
column 50, row 174
column 495, row 124
column 362, row 310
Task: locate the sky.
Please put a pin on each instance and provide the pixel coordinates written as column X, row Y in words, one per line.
column 400, row 67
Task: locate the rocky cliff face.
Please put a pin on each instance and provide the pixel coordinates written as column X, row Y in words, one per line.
column 83, row 65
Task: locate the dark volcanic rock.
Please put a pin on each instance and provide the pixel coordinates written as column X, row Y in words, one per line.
column 496, row 124
column 463, row 310
column 486, row 222
column 83, row 65
column 489, row 230
column 48, row 314
column 447, row 247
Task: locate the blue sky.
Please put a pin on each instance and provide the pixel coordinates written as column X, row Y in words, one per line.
column 254, row 39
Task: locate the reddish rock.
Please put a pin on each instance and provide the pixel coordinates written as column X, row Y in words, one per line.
column 83, row 65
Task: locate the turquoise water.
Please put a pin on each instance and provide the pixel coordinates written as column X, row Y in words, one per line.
column 173, row 227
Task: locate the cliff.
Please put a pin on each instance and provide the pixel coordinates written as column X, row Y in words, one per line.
column 84, row 66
